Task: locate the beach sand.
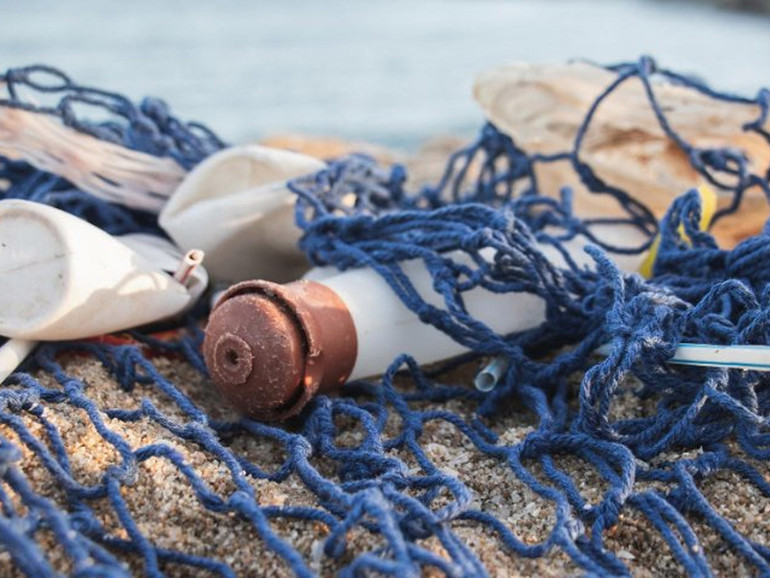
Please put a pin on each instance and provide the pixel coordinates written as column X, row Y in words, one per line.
column 166, row 509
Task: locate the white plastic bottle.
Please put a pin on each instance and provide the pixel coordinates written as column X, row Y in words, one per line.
column 271, row 347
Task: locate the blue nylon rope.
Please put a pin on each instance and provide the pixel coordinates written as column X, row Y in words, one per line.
column 487, row 198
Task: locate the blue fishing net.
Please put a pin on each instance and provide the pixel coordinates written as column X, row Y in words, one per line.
column 387, row 483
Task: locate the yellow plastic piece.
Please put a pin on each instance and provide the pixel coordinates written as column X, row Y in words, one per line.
column 708, row 203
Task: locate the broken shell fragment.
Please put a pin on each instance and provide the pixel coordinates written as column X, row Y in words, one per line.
column 543, row 107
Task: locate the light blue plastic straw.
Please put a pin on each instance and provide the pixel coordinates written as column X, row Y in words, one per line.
column 754, row 357
column 489, row 375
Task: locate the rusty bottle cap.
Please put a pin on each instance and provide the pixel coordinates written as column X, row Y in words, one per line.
column 270, row 348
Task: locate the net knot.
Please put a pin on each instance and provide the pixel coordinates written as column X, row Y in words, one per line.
column 647, row 66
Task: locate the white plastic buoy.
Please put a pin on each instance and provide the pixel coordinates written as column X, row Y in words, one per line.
column 64, row 278
column 236, row 207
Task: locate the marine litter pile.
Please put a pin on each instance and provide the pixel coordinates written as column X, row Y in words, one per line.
column 597, row 451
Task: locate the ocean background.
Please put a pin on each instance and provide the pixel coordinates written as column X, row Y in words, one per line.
column 393, row 72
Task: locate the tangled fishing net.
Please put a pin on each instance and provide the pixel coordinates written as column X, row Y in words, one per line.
column 691, row 423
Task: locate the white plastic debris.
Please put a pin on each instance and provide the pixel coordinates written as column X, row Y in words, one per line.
column 186, row 268
column 236, row 207
column 12, row 353
column 63, row 278
column 385, row 327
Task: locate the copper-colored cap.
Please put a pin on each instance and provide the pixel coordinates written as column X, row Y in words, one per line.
column 269, row 348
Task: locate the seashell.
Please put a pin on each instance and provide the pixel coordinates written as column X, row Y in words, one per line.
column 63, row 278
column 542, row 107
column 236, row 207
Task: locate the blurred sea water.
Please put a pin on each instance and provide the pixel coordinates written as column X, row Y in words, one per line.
column 394, row 72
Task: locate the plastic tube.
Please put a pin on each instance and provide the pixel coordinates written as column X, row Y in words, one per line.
column 270, row 347
column 385, row 327
column 12, row 353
